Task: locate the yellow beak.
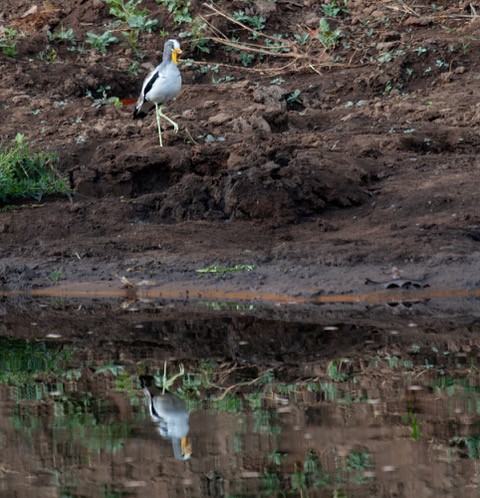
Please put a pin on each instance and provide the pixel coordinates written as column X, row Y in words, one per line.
column 175, row 53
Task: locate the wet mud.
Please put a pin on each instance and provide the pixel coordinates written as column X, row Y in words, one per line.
column 338, row 399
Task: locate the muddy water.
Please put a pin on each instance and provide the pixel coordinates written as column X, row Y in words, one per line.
column 241, row 401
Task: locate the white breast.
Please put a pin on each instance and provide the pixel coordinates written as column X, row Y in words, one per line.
column 166, row 86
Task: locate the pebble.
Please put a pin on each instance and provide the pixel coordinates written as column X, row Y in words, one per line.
column 190, row 114
column 219, row 119
column 209, row 103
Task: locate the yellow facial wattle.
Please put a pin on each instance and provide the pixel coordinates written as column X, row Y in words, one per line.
column 175, row 53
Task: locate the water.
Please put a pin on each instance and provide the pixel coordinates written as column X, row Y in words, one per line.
column 276, row 401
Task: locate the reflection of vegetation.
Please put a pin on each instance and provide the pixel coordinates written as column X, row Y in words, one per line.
column 270, row 483
column 191, row 387
column 411, row 419
column 265, row 422
column 252, row 398
column 85, row 421
column 452, row 386
column 309, row 474
column 337, row 370
column 21, row 361
column 227, row 305
column 392, row 362
column 357, row 463
column 276, row 457
column 472, row 443
column 461, row 388
column 113, row 491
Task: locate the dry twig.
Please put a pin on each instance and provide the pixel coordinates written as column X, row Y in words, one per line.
column 309, row 57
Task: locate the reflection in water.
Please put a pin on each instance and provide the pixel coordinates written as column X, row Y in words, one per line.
column 170, row 415
column 280, row 408
column 358, row 432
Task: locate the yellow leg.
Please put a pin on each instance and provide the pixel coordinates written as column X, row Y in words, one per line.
column 158, row 113
column 171, row 121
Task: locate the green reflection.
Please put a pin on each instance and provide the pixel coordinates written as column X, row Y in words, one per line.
column 20, row 360
column 82, row 420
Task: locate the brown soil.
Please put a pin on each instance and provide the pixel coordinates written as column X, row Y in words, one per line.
column 375, row 168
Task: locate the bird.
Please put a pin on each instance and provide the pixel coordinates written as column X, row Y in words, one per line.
column 170, row 415
column 160, row 86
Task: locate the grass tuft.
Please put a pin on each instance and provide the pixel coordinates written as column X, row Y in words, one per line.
column 28, row 174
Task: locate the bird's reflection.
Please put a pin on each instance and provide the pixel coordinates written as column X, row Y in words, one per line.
column 170, row 415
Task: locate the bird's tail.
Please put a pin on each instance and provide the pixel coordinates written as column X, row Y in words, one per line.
column 142, row 109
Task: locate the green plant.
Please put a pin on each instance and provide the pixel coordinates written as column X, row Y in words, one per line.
column 276, row 46
column 182, row 15
column 294, row 97
column 247, row 59
column 209, row 67
column 223, row 79
column 257, row 23
column 134, row 68
column 276, row 457
column 334, row 8
column 104, row 99
column 465, row 47
column 55, row 276
column 472, row 443
column 48, row 54
column 180, row 10
column 215, row 70
column 420, row 50
column 28, row 174
column 196, row 35
column 387, row 56
column 126, row 13
column 8, row 45
column 327, row 36
column 221, row 269
column 135, row 20
column 64, row 35
column 132, row 37
column 101, row 42
column 302, row 38
column 357, row 464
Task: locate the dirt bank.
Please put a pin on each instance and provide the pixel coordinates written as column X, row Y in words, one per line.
column 371, row 171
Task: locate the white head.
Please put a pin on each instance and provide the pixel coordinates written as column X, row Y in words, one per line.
column 172, row 50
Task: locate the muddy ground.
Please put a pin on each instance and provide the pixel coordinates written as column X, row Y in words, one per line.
column 371, row 173
column 370, row 176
